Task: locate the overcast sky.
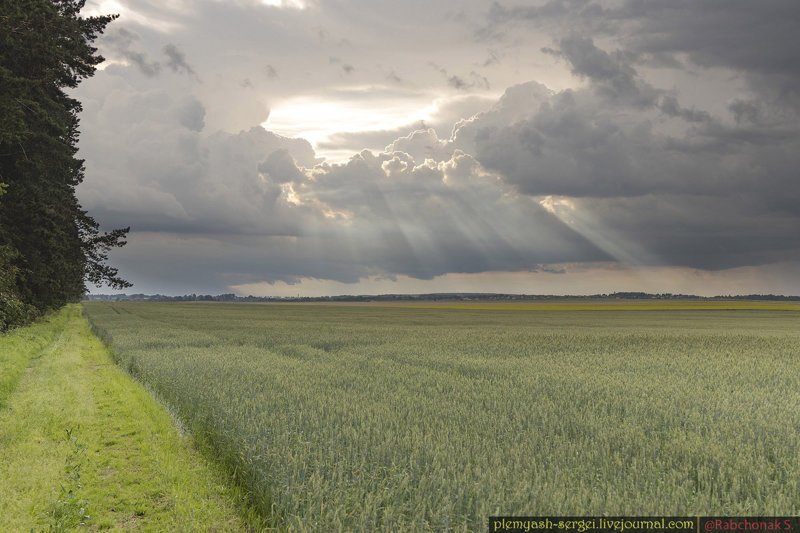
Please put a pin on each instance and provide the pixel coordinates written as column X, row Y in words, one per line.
column 284, row 147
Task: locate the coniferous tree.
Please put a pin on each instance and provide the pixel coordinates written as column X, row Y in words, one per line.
column 13, row 311
column 52, row 244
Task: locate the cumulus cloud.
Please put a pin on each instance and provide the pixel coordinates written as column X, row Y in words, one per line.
column 379, row 213
column 612, row 75
column 160, row 172
column 712, row 193
column 757, row 39
column 656, row 141
column 448, row 112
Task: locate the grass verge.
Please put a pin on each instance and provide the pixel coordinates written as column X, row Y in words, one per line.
column 84, row 446
column 19, row 346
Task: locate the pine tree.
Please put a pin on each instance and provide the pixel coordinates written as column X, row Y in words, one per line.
column 51, row 242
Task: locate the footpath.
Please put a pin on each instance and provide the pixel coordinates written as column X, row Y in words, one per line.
column 83, row 446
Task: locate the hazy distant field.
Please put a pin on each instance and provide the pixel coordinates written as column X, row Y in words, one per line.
column 393, row 416
column 578, row 304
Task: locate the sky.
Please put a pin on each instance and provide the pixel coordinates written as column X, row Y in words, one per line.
column 320, row 147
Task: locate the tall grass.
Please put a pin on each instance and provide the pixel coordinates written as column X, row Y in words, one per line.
column 364, row 418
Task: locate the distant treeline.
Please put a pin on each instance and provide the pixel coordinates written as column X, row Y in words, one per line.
column 458, row 296
column 49, row 246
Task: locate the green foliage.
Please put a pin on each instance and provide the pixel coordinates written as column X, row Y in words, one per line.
column 365, row 418
column 19, row 347
column 13, row 311
column 70, row 510
column 53, row 245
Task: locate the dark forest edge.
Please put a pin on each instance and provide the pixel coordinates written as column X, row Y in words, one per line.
column 49, row 246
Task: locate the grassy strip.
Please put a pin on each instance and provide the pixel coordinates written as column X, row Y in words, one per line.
column 83, row 445
column 18, row 347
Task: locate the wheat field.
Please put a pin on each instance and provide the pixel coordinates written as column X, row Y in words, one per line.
column 382, row 417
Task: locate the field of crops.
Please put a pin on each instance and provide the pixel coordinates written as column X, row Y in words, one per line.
column 391, row 417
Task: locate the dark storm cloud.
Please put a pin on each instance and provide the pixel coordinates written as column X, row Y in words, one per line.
column 704, row 192
column 277, row 213
column 569, row 147
column 669, row 105
column 428, row 219
column 677, row 144
column 755, row 37
column 382, row 213
column 700, row 231
column 745, row 110
column 612, row 74
column 561, row 16
column 759, row 39
column 614, row 78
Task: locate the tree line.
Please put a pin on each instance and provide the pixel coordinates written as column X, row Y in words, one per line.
column 49, row 246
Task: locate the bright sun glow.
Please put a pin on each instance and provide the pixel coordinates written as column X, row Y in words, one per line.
column 296, row 4
column 104, row 7
column 317, row 119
